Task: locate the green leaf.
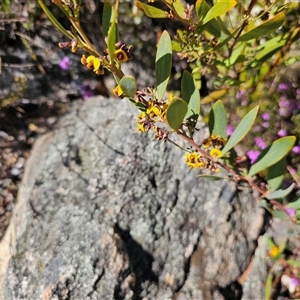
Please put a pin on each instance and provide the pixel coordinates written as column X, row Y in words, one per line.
column 112, row 37
column 279, row 194
column 293, row 263
column 213, row 96
column 201, row 8
column 271, row 155
column 236, row 55
column 241, row 130
column 190, row 95
column 268, row 287
column 211, row 177
column 128, row 86
column 151, row 11
column 217, row 120
column 275, row 174
column 179, row 9
column 271, row 46
column 295, row 204
column 176, row 112
column 219, row 9
column 106, row 17
column 55, row 22
column 223, row 26
column 213, row 28
column 263, row 29
column 163, row 63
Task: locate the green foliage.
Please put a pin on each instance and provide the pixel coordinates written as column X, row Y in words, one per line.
column 163, row 63
column 217, row 120
column 280, row 194
column 176, row 112
column 263, row 29
column 151, row 11
column 241, row 130
column 278, row 150
column 106, row 17
column 275, row 174
column 128, row 85
column 190, row 95
column 219, row 9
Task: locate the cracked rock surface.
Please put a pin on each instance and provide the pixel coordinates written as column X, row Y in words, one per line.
column 104, row 212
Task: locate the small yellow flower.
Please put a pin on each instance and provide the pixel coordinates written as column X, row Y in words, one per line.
column 118, row 91
column 274, row 251
column 215, row 152
column 120, row 55
column 141, row 127
column 194, row 160
column 153, row 110
column 93, row 62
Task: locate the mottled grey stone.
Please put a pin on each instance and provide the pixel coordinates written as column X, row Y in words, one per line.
column 105, row 212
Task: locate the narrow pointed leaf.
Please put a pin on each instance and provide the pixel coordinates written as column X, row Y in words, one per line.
column 213, row 28
column 190, row 95
column 219, row 9
column 176, row 112
column 217, row 120
column 163, row 63
column 151, row 11
column 268, row 287
column 213, row 96
column 112, row 37
column 179, row 9
column 106, row 17
column 201, row 9
column 275, row 174
column 241, row 130
column 279, row 149
column 128, row 86
column 211, row 177
column 263, row 29
column 279, row 194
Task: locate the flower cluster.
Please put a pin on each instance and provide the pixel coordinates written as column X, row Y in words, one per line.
column 214, row 144
column 122, row 52
column 195, row 160
column 97, row 64
column 93, row 63
column 154, row 111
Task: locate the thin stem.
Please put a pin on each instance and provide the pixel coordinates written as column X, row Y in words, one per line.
column 54, row 20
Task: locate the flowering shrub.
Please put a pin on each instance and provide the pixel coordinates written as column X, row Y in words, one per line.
column 237, row 45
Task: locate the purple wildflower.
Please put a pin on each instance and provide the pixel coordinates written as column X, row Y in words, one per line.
column 290, row 282
column 265, row 124
column 291, row 212
column 282, row 132
column 296, row 149
column 253, row 155
column 265, row 116
column 260, row 143
column 286, row 106
column 87, row 91
column 284, row 86
column 65, row 63
column 240, row 94
column 230, row 130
